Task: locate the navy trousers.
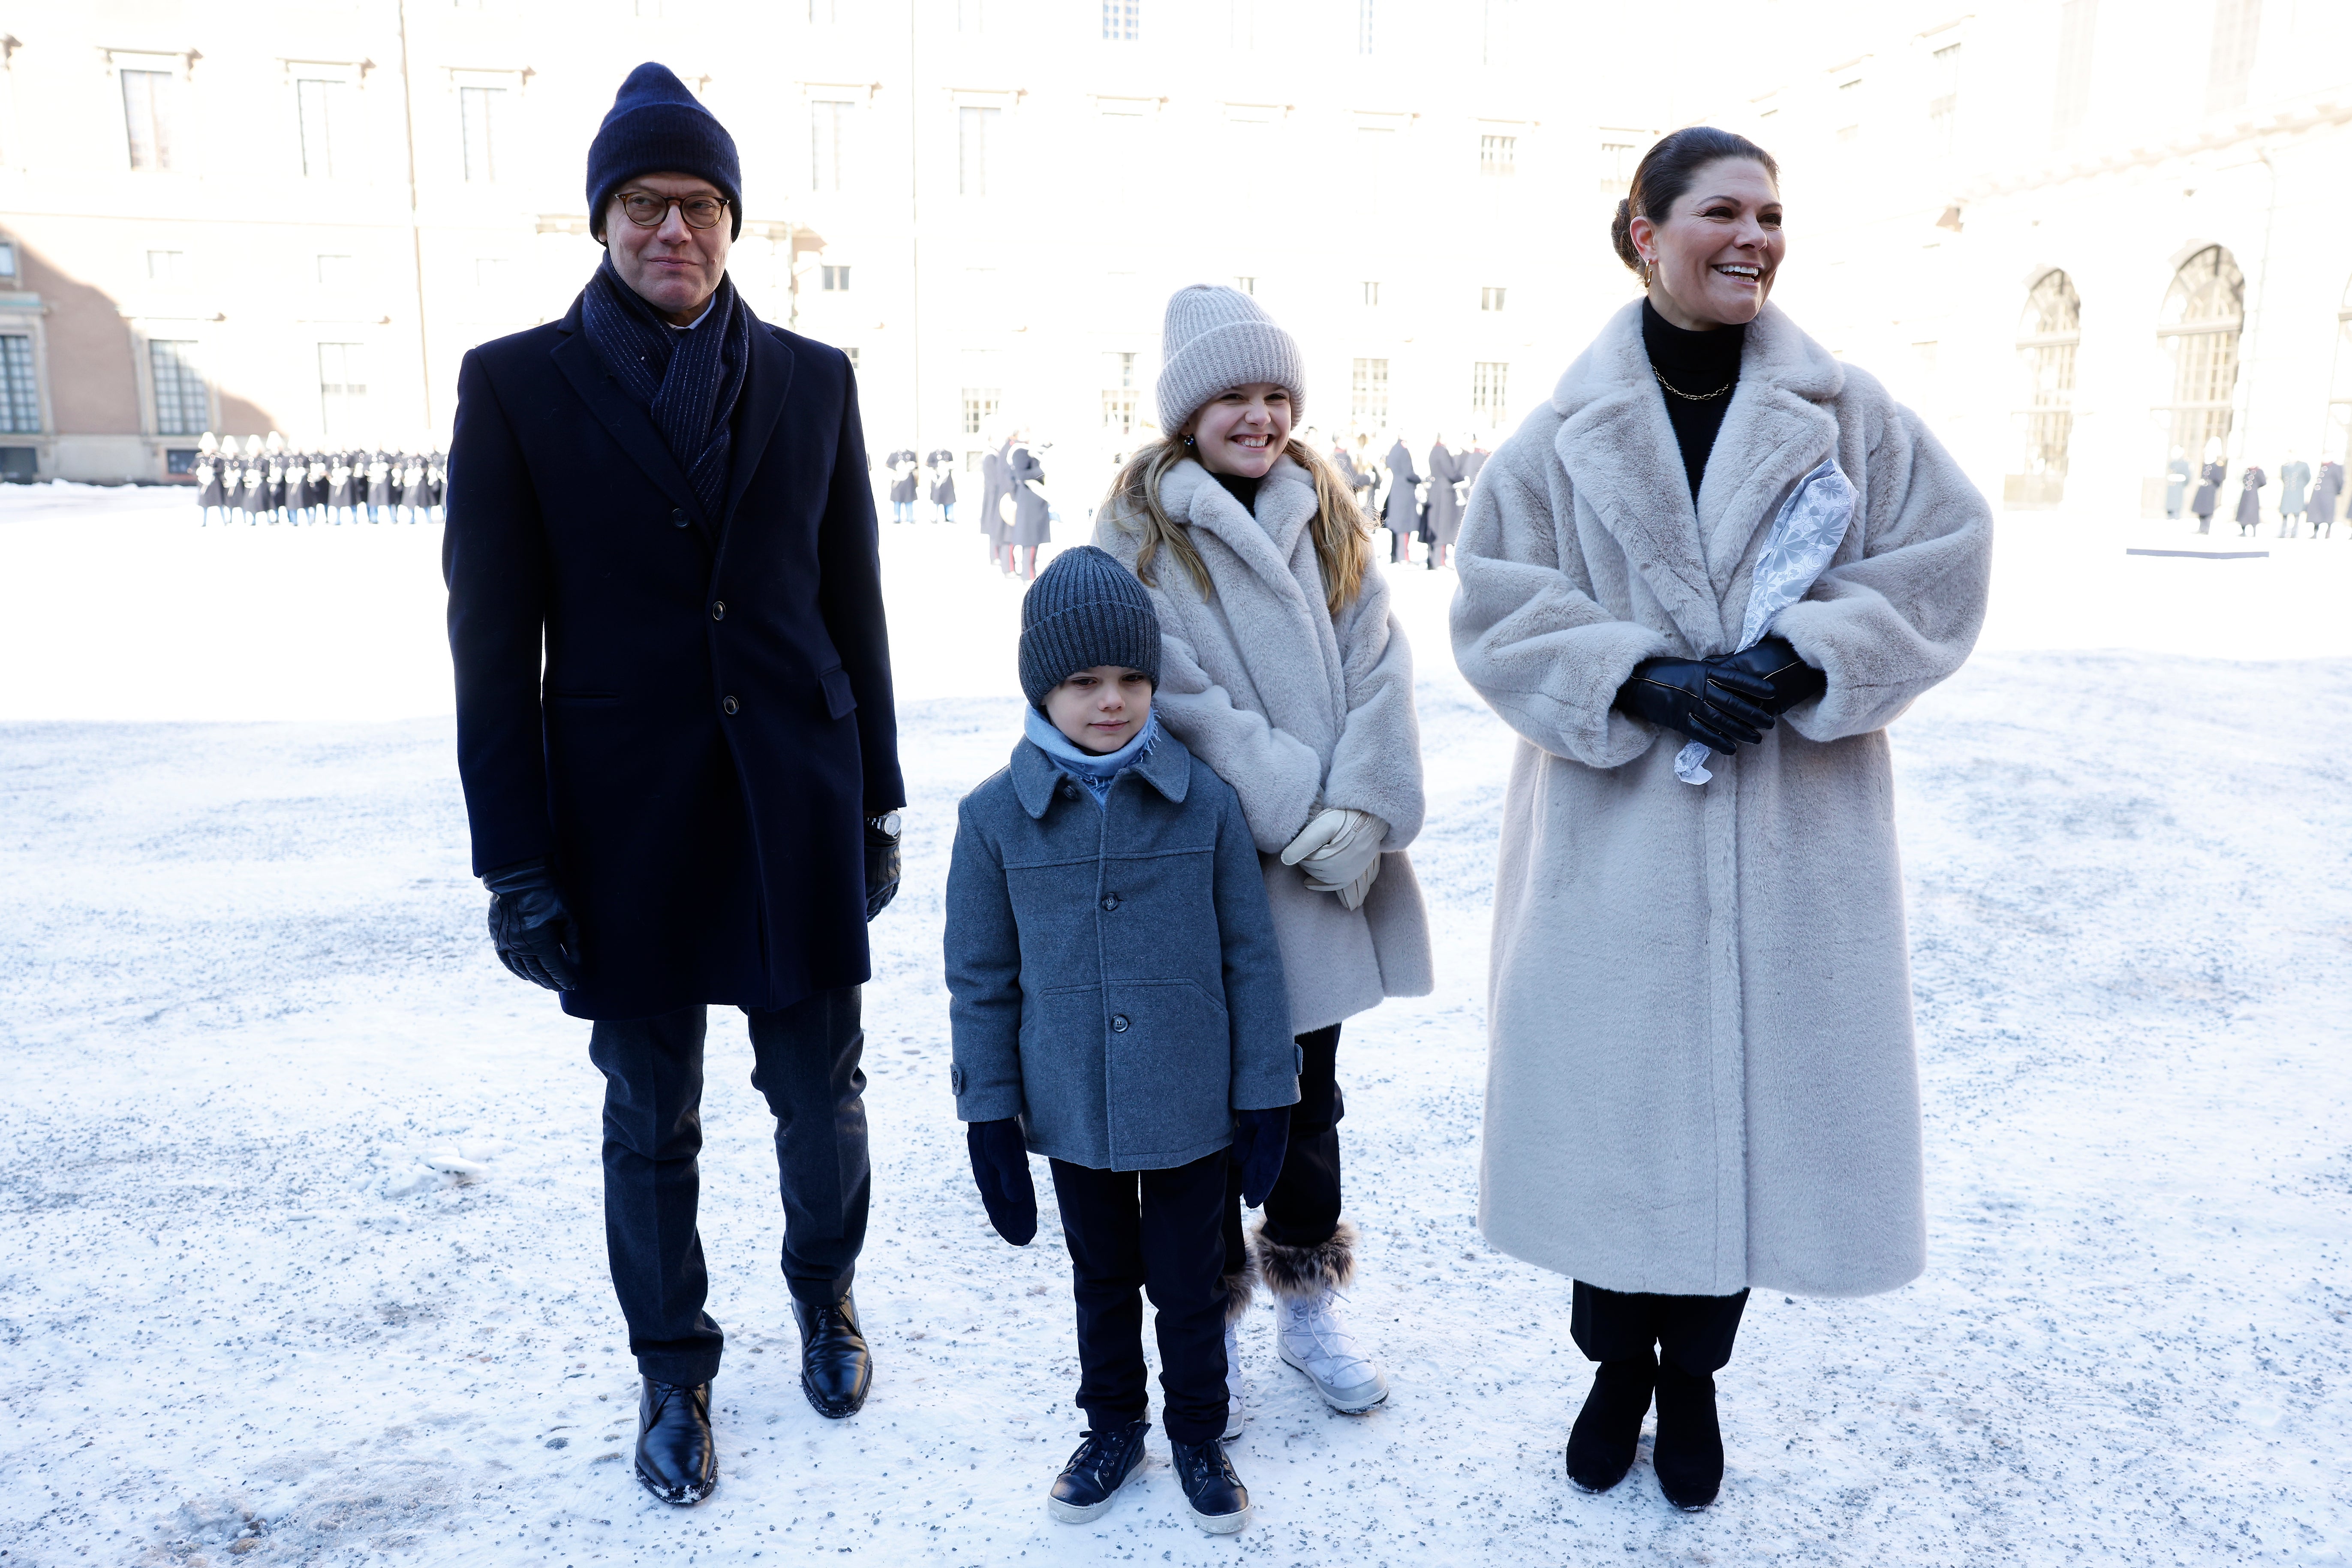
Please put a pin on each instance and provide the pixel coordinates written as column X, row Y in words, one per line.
column 1691, row 1333
column 1157, row 1230
column 1303, row 1209
column 805, row 1061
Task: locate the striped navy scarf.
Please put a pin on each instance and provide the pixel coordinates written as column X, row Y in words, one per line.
column 687, row 381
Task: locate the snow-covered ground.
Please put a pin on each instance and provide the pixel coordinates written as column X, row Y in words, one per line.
column 304, row 1260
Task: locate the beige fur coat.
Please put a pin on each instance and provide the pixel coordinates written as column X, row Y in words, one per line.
column 1701, row 1074
column 1296, row 711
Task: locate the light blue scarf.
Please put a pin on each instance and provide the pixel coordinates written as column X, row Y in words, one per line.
column 1098, row 773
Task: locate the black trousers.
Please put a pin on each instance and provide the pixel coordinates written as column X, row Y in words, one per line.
column 1157, row 1230
column 805, row 1061
column 1690, row 1333
column 1303, row 1209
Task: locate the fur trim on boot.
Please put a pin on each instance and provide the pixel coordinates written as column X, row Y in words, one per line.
column 1241, row 1288
column 1301, row 1273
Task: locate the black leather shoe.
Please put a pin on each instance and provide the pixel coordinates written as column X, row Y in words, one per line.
column 1688, row 1453
column 677, row 1458
column 837, row 1369
column 1090, row 1481
column 1220, row 1502
column 1609, row 1428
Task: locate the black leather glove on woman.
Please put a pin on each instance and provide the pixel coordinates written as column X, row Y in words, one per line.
column 1000, row 1168
column 1772, row 661
column 533, row 927
column 1260, row 1138
column 881, row 862
column 1718, row 707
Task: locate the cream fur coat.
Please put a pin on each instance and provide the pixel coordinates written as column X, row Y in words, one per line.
column 1297, row 713
column 1701, row 1074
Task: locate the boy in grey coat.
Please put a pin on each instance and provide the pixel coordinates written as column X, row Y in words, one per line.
column 1119, row 1007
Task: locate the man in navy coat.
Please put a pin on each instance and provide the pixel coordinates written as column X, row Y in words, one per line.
column 691, row 797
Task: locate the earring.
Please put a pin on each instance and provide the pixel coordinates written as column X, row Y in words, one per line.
column 1188, row 441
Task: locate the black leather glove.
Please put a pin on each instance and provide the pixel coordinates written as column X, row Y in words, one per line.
column 533, row 927
column 881, row 862
column 1715, row 707
column 1000, row 1168
column 1260, row 1138
column 1772, row 661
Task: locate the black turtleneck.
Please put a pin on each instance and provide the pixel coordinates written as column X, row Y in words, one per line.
column 1241, row 490
column 1695, row 363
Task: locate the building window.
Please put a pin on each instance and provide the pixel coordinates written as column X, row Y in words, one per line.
column 180, row 461
column 833, row 280
column 480, row 107
column 2078, row 22
column 1119, row 397
column 321, row 112
column 341, row 271
column 343, row 388
column 2048, row 335
column 1490, row 298
column 974, row 129
column 1489, row 387
column 2203, row 312
column 147, row 118
column 1371, row 293
column 1247, row 285
column 828, row 119
column 1498, row 155
column 1618, row 162
column 979, row 404
column 167, row 267
column 1944, row 108
column 2237, row 27
column 181, row 405
column 7, row 260
column 1123, row 20
column 1363, row 27
column 1367, row 394
column 20, row 392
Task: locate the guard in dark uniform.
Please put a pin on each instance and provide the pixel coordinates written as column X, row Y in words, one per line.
column 942, row 465
column 902, row 485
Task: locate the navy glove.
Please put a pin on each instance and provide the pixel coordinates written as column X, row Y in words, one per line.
column 1000, row 1168
column 881, row 862
column 1774, row 661
column 1714, row 706
column 533, row 927
column 1260, row 1138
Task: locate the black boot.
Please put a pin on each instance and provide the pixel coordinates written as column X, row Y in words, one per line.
column 677, row 1458
column 837, row 1369
column 1219, row 1501
column 1688, row 1453
column 1609, row 1428
column 1090, row 1481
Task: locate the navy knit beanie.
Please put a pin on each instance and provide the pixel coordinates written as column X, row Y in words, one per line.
column 657, row 127
column 1084, row 610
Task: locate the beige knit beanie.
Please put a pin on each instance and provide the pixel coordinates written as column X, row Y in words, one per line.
column 1215, row 339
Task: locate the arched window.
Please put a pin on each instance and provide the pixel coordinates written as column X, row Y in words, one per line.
column 2203, row 311
column 2047, row 335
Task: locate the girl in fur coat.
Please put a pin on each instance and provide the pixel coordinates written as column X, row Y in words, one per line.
column 1284, row 670
column 1700, row 1074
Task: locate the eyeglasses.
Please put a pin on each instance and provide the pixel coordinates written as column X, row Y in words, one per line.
column 648, row 211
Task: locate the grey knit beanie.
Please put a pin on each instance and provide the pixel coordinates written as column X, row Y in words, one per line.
column 1215, row 339
column 1084, row 610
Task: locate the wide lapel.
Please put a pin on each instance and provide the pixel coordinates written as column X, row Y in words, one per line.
column 1621, row 456
column 766, row 380
column 1773, row 434
column 628, row 425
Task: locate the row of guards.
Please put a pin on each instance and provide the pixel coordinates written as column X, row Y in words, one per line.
column 267, row 481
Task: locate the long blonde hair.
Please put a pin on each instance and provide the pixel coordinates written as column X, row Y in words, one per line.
column 1343, row 535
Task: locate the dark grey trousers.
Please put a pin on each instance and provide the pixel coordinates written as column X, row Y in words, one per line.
column 805, row 1061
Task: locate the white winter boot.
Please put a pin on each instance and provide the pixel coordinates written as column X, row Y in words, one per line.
column 1312, row 1336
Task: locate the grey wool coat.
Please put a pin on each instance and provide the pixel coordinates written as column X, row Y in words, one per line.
column 1298, row 711
column 1444, row 518
column 1701, row 1075
column 1112, row 970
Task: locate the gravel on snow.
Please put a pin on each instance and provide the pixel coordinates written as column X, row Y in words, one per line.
column 303, row 1260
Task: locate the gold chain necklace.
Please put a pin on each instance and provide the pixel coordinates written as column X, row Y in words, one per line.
column 1694, row 397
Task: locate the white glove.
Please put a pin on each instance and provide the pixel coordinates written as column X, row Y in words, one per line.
column 1339, row 851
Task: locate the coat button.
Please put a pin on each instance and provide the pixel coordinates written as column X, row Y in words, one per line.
column 718, row 609
column 677, row 517
column 1110, row 902
column 1119, row 1023
column 730, row 704
column 1069, row 791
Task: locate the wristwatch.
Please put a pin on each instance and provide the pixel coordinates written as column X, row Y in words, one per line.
column 886, row 824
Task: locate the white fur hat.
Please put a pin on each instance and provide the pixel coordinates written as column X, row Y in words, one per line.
column 1215, row 339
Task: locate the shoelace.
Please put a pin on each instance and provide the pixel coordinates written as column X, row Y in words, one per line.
column 1097, row 1459
column 1339, row 1344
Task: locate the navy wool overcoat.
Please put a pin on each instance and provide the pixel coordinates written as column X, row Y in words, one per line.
column 712, row 721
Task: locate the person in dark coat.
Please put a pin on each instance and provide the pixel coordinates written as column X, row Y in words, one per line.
column 1168, row 991
column 1402, row 514
column 2250, row 500
column 994, row 489
column 1443, row 520
column 2294, row 485
column 2177, row 475
column 2325, row 492
column 941, row 463
column 902, row 484
column 2209, row 493
column 436, row 481
column 694, row 800
column 212, row 487
column 379, row 485
column 416, row 494
column 1032, row 517
column 255, row 477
